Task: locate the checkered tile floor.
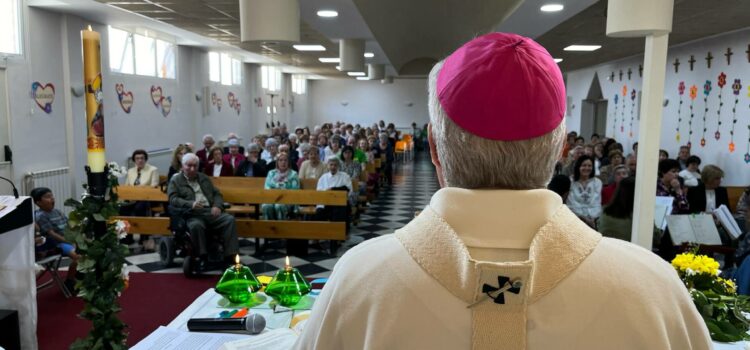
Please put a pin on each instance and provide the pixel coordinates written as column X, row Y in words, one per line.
column 414, row 183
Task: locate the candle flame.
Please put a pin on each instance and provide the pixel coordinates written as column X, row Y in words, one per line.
column 90, row 28
column 287, row 261
column 237, row 259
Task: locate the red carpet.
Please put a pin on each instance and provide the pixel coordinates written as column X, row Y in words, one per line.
column 151, row 300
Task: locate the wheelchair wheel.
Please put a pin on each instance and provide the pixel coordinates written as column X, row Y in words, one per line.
column 166, row 251
column 189, row 266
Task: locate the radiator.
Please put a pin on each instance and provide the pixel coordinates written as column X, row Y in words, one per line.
column 57, row 180
column 160, row 158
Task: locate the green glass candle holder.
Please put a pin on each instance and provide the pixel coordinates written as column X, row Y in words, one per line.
column 238, row 284
column 288, row 287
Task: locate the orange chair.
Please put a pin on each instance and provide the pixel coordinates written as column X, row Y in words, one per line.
column 400, row 149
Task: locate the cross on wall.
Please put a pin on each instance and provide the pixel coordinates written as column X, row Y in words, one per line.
column 709, row 57
column 729, row 55
column 691, row 61
column 676, row 65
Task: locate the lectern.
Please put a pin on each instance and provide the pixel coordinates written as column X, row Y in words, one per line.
column 17, row 278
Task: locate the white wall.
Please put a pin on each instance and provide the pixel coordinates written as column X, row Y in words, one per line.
column 715, row 151
column 52, row 52
column 368, row 101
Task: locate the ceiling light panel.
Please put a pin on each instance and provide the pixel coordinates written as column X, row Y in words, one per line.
column 328, row 13
column 309, row 47
column 329, row 59
column 369, row 55
column 552, row 8
column 582, row 48
column 356, row 74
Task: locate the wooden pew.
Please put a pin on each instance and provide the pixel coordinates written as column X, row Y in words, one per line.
column 233, row 192
column 734, row 196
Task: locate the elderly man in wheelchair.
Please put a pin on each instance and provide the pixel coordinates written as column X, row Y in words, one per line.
column 196, row 206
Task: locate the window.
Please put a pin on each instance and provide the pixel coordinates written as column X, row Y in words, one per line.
column 299, row 84
column 214, row 69
column 145, row 55
column 270, row 78
column 165, row 59
column 236, row 72
column 121, row 51
column 224, row 69
column 139, row 54
column 10, row 32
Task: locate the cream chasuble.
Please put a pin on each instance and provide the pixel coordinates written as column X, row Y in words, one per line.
column 502, row 270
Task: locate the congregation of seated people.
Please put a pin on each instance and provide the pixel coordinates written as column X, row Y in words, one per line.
column 596, row 180
column 336, row 155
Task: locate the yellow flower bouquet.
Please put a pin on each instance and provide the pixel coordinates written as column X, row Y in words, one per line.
column 716, row 298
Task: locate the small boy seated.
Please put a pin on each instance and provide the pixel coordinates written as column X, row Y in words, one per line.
column 52, row 223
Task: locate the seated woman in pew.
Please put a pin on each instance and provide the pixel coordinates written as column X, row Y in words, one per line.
column 354, row 170
column 585, row 198
column 217, row 166
column 281, row 178
column 252, row 166
column 617, row 217
column 142, row 174
column 334, row 180
column 708, row 194
column 312, row 168
column 176, row 164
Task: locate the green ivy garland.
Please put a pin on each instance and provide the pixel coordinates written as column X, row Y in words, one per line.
column 102, row 259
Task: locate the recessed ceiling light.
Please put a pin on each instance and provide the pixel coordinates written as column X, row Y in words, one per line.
column 369, row 54
column 309, row 47
column 363, row 78
column 582, row 48
column 552, row 8
column 328, row 13
column 356, row 74
column 558, row 60
column 338, row 67
column 329, row 59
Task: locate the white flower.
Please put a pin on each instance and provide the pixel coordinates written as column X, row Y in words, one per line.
column 125, row 272
column 116, row 170
column 122, row 228
column 690, row 272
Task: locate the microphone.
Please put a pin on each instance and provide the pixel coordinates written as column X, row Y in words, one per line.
column 15, row 190
column 252, row 324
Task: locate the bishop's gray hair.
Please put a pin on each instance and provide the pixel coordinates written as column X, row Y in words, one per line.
column 469, row 161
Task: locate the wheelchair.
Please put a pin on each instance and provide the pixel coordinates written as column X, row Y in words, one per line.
column 182, row 245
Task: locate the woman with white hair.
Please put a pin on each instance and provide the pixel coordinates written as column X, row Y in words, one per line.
column 272, row 149
column 284, row 178
column 496, row 261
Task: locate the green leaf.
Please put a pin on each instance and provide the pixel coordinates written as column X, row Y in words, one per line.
column 99, row 217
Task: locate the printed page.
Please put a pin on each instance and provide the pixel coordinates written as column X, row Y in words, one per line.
column 277, row 339
column 680, row 229
column 727, row 221
column 167, row 339
column 704, row 229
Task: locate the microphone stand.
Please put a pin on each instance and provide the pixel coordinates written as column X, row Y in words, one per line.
column 15, row 190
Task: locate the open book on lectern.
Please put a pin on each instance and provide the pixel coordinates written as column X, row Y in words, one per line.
column 693, row 228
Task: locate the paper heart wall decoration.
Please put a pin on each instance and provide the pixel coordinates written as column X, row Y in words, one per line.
column 231, row 99
column 258, row 102
column 44, row 95
column 166, row 106
column 125, row 97
column 218, row 104
column 213, row 98
column 237, row 107
column 156, row 95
